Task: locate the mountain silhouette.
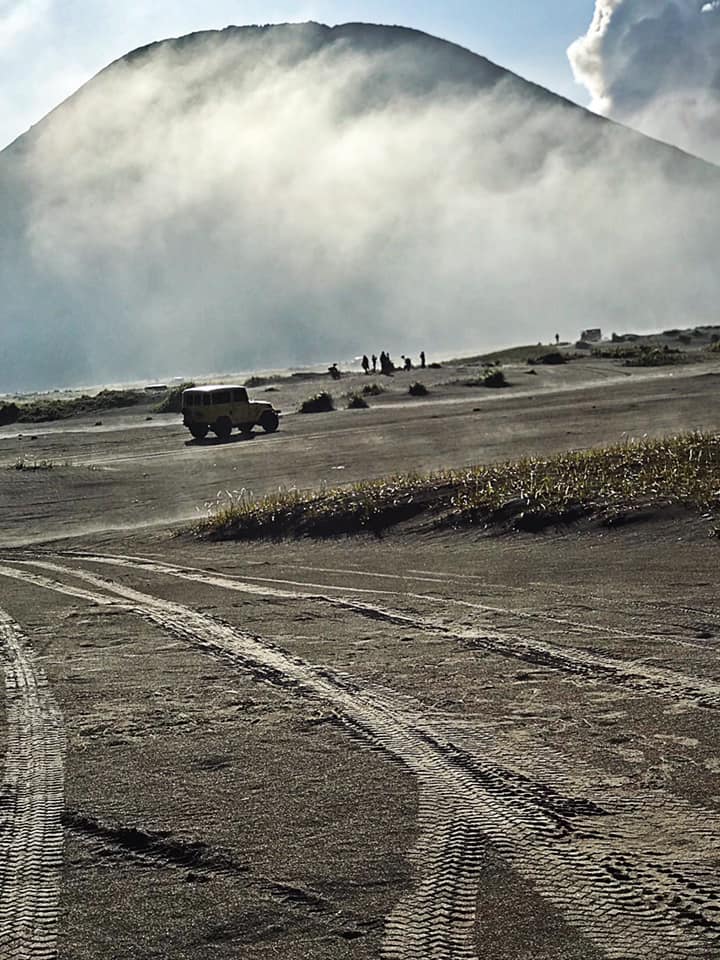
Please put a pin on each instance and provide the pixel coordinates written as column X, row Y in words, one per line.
column 262, row 196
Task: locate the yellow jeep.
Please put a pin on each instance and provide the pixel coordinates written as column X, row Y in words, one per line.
column 220, row 407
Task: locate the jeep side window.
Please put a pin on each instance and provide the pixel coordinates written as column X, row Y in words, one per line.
column 221, row 396
column 207, row 399
column 240, row 395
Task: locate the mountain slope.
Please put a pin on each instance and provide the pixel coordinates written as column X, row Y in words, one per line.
column 266, row 195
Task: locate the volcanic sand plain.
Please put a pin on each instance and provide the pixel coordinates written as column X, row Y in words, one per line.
column 426, row 744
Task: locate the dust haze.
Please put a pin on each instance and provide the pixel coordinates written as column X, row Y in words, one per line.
column 260, row 198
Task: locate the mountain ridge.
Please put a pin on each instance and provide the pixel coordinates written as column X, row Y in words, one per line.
column 351, row 30
column 325, row 182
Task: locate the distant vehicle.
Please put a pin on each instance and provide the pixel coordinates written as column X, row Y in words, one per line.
column 220, row 407
column 593, row 335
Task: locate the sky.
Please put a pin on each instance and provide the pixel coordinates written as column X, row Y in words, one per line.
column 49, row 48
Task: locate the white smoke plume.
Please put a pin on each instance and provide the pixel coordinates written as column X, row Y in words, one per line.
column 655, row 64
column 256, row 199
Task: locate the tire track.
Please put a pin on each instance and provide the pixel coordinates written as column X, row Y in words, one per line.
column 596, row 859
column 581, row 625
column 455, row 579
column 563, row 593
column 449, row 853
column 31, row 801
column 579, row 663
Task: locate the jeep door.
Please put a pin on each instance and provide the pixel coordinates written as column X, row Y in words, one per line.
column 241, row 412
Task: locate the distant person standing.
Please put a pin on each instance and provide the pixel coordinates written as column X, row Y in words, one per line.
column 365, row 364
column 422, row 359
column 557, row 338
column 386, row 364
column 374, row 363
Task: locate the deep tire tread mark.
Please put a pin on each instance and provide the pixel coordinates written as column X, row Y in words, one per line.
column 31, row 836
column 598, row 863
column 578, row 663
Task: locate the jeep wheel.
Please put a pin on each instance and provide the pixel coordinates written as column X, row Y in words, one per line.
column 269, row 421
column 223, row 428
column 199, row 430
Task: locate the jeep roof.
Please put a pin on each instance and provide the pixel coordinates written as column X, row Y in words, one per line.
column 208, row 387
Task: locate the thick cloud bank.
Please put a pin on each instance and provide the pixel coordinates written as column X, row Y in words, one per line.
column 261, row 197
column 655, row 64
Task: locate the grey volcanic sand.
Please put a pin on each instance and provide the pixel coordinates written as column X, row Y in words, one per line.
column 423, row 745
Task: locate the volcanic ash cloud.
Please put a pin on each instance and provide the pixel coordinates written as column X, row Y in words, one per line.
column 655, row 64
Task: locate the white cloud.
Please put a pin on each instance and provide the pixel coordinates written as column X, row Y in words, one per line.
column 655, row 64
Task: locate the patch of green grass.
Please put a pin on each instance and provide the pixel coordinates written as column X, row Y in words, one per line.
column 528, row 494
column 321, row 403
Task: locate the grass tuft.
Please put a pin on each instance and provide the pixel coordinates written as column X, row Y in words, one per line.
column 320, row 403
column 372, row 390
column 9, row 413
column 356, row 401
column 22, row 463
column 418, row 390
column 494, row 378
column 529, row 494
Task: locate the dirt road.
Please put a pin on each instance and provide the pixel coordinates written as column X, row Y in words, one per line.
column 423, row 746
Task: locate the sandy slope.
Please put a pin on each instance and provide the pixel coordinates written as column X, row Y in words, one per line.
column 419, row 746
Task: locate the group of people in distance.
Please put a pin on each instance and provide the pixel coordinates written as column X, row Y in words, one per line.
column 386, row 364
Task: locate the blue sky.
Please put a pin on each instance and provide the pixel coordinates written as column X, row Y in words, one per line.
column 48, row 48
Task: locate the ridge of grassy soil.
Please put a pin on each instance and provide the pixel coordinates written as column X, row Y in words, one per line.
column 42, row 411
column 529, row 494
column 46, row 410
